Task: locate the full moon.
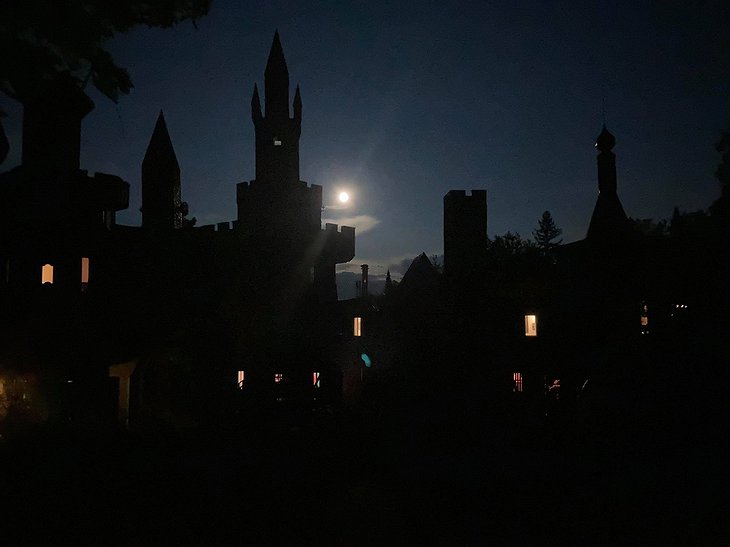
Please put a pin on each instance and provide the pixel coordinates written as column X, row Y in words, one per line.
column 344, row 197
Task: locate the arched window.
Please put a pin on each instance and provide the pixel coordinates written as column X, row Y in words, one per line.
column 47, row 274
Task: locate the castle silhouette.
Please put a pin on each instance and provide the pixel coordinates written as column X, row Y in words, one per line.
column 101, row 319
column 249, row 301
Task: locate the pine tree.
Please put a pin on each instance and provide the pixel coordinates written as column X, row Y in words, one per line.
column 546, row 232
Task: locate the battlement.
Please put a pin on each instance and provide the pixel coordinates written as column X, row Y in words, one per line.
column 245, row 187
column 476, row 195
column 339, row 242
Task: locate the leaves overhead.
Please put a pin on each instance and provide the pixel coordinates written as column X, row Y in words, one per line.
column 49, row 38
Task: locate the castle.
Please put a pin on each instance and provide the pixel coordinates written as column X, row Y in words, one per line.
column 246, row 305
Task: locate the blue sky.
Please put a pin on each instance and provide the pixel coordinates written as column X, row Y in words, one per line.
column 405, row 101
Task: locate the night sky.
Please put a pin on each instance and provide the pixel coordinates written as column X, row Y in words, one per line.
column 403, row 102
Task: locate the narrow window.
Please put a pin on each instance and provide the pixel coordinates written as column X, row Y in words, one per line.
column 47, row 274
column 84, row 273
column 241, row 379
column 530, row 325
column 644, row 318
column 315, row 380
column 517, row 379
column 357, row 326
column 277, row 142
column 278, row 377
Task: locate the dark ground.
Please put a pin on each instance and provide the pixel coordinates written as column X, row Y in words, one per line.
column 366, row 477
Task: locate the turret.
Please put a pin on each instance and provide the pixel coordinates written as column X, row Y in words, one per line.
column 606, row 162
column 298, row 107
column 52, row 126
column 256, row 105
column 161, row 201
column 609, row 221
column 277, row 135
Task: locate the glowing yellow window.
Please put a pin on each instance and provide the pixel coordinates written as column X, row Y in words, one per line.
column 47, row 274
column 241, row 379
column 530, row 325
column 644, row 314
column 357, row 326
column 84, row 270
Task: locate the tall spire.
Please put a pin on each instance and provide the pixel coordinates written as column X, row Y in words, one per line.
column 276, row 82
column 277, row 135
column 161, row 200
column 609, row 220
column 160, row 150
column 606, row 162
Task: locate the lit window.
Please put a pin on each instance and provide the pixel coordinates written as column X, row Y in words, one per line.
column 530, row 325
column 278, row 377
column 315, row 380
column 357, row 326
column 47, row 274
column 644, row 317
column 517, row 379
column 84, row 272
column 277, row 142
column 241, row 379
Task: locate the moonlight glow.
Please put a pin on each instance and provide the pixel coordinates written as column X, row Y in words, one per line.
column 344, row 197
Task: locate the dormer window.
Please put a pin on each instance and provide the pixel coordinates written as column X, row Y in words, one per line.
column 277, row 142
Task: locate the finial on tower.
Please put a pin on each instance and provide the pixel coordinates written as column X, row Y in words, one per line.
column 605, row 141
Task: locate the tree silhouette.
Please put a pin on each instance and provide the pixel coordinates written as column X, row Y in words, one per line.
column 721, row 207
column 49, row 38
column 510, row 244
column 546, row 232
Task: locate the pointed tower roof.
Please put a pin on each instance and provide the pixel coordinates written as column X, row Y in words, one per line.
column 421, row 277
column 160, row 149
column 276, row 82
column 276, row 61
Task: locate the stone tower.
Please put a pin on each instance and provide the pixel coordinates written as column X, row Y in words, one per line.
column 465, row 231
column 277, row 199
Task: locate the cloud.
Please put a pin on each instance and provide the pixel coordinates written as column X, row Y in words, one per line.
column 337, row 207
column 362, row 223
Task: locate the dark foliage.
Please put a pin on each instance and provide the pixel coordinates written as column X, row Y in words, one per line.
column 546, row 233
column 49, row 38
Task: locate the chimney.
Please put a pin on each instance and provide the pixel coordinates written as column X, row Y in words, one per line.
column 364, row 280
